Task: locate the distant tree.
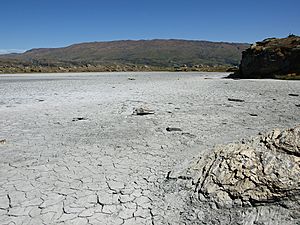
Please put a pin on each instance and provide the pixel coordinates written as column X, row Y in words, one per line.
column 291, row 35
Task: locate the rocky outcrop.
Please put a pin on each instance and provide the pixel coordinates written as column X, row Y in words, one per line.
column 247, row 181
column 264, row 169
column 271, row 58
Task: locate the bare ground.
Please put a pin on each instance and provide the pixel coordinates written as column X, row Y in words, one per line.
column 73, row 153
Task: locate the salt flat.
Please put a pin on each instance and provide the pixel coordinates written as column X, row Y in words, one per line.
column 75, row 154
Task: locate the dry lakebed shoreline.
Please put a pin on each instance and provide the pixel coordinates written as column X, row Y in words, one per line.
column 82, row 148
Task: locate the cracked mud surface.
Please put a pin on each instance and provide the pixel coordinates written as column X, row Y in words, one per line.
column 74, row 153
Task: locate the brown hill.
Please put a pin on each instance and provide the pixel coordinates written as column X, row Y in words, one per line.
column 164, row 54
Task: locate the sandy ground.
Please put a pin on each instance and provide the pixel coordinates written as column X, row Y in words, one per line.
column 75, row 154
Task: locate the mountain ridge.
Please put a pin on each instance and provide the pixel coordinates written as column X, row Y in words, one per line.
column 162, row 54
column 133, row 40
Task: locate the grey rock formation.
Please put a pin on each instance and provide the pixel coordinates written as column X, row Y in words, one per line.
column 265, row 169
column 261, row 174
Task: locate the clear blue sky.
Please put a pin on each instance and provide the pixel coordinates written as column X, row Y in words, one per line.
column 27, row 24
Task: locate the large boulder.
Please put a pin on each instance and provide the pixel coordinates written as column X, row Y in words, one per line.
column 262, row 170
column 271, row 58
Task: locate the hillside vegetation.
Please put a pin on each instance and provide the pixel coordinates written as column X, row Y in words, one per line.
column 127, row 55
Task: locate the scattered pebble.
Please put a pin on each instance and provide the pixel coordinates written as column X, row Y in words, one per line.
column 253, row 114
column 170, row 129
column 78, row 118
column 235, row 100
column 168, row 175
column 3, row 141
column 142, row 111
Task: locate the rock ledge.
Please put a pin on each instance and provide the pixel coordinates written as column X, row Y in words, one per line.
column 271, row 58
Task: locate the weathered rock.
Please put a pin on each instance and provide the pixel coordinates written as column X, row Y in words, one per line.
column 271, row 58
column 142, row 111
column 78, row 119
column 265, row 169
column 235, row 100
column 253, row 114
column 170, row 129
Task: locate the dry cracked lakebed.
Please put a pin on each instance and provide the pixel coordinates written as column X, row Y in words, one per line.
column 73, row 150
